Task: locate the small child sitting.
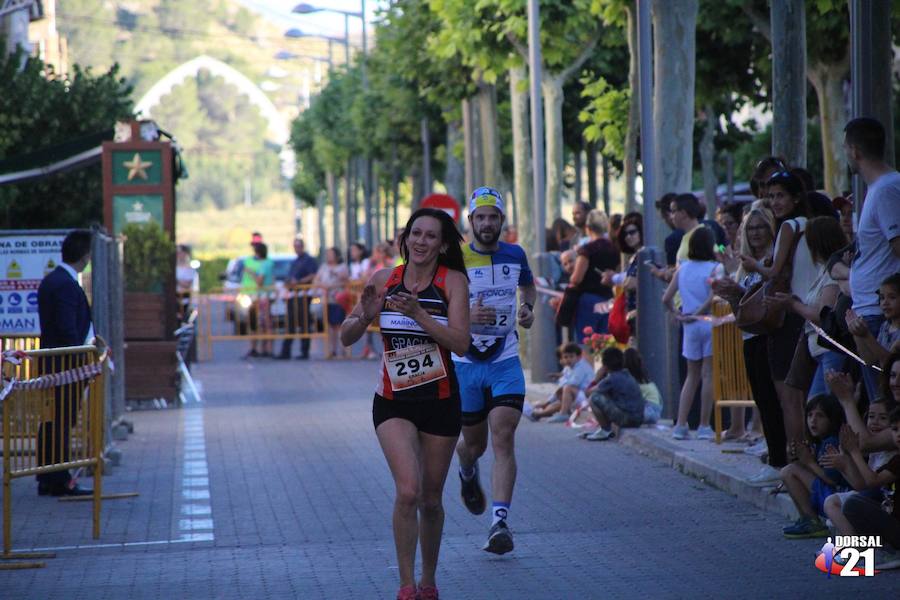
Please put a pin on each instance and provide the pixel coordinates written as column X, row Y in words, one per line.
column 575, row 377
column 634, row 364
column 808, row 483
column 616, row 400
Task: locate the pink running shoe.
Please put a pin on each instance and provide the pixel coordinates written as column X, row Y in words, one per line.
column 428, row 592
column 407, row 592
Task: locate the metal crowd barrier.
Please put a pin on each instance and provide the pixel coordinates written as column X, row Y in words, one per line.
column 274, row 313
column 53, row 420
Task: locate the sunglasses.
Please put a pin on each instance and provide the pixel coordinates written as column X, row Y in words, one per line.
column 632, row 231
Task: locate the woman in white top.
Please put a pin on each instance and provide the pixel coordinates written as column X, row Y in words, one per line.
column 333, row 277
column 788, row 202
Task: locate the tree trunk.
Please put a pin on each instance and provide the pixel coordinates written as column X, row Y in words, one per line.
column 674, row 41
column 368, row 216
column 521, row 132
column 828, row 81
column 634, row 113
column 320, row 213
column 577, row 160
column 490, row 136
column 882, row 78
column 604, row 163
column 788, row 24
column 455, row 175
column 426, row 162
column 376, row 205
column 395, row 191
column 416, row 174
column 477, row 145
column 708, row 160
column 468, row 145
column 591, row 151
column 552, row 89
column 334, row 195
column 348, row 205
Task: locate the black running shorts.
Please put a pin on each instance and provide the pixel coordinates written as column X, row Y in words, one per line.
column 435, row 417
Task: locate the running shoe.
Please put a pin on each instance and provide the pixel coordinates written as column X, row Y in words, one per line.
column 472, row 494
column 427, row 592
column 767, row 476
column 558, row 418
column 706, row 433
column 681, row 432
column 600, row 435
column 407, row 592
column 804, row 528
column 499, row 539
column 757, row 449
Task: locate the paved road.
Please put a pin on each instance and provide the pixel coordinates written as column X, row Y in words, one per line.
column 277, row 489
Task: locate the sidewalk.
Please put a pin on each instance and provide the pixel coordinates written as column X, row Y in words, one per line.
column 723, row 466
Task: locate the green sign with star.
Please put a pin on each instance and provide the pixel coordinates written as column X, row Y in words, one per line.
column 136, row 209
column 131, row 167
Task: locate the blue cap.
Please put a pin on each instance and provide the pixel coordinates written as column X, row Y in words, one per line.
column 486, row 196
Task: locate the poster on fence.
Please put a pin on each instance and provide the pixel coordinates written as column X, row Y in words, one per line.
column 24, row 261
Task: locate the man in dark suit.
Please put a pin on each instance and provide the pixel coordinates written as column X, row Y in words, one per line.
column 65, row 321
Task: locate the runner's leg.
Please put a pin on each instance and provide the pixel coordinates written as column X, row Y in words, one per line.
column 399, row 441
column 437, row 452
column 503, row 422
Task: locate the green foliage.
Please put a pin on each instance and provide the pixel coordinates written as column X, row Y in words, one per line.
column 211, row 271
column 149, row 257
column 37, row 110
column 606, row 116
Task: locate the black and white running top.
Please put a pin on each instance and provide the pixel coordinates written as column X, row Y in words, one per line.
column 414, row 366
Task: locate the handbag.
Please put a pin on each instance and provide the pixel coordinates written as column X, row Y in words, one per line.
column 568, row 306
column 833, row 321
column 618, row 319
column 753, row 314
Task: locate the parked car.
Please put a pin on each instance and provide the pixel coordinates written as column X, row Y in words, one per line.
column 239, row 310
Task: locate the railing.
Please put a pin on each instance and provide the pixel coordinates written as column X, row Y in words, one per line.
column 275, row 313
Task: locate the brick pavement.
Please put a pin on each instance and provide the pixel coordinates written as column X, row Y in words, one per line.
column 301, row 500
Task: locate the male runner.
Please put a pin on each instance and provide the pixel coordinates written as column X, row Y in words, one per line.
column 491, row 382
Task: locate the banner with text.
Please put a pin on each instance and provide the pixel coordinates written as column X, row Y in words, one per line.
column 24, row 261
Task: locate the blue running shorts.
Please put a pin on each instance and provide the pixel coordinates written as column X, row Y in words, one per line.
column 486, row 385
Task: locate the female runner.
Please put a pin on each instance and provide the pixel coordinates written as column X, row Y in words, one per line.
column 423, row 311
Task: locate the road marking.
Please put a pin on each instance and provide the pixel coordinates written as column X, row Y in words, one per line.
column 197, row 537
column 195, row 522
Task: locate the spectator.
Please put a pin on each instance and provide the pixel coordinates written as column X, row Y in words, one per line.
column 303, row 271
column 844, row 389
column 844, row 206
column 616, row 401
column 686, row 214
column 875, row 349
column 359, row 262
column 867, row 517
column 382, row 258
column 615, row 223
column 729, row 217
column 878, row 236
column 787, row 199
column 256, row 276
column 673, row 240
column 860, row 472
column 649, row 392
column 692, row 281
column 333, row 277
column 808, row 483
column 757, row 237
column 65, row 318
column 580, row 212
column 630, row 240
column 186, row 280
column 824, row 237
column 564, row 234
column 593, row 259
column 575, row 377
column 510, row 234
column 759, row 181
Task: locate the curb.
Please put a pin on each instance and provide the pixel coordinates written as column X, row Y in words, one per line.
column 700, row 465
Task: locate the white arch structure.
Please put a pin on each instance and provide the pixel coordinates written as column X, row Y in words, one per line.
column 278, row 130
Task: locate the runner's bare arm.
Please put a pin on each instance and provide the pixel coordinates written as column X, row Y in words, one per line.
column 455, row 335
column 366, row 310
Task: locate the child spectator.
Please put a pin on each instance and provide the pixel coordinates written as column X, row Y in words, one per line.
column 807, row 482
column 874, row 349
column 693, row 281
column 649, row 392
column 616, row 401
column 868, row 517
column 860, row 473
column 575, row 377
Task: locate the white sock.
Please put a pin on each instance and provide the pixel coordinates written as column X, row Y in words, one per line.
column 500, row 511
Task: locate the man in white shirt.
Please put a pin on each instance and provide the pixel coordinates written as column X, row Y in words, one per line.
column 878, row 239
